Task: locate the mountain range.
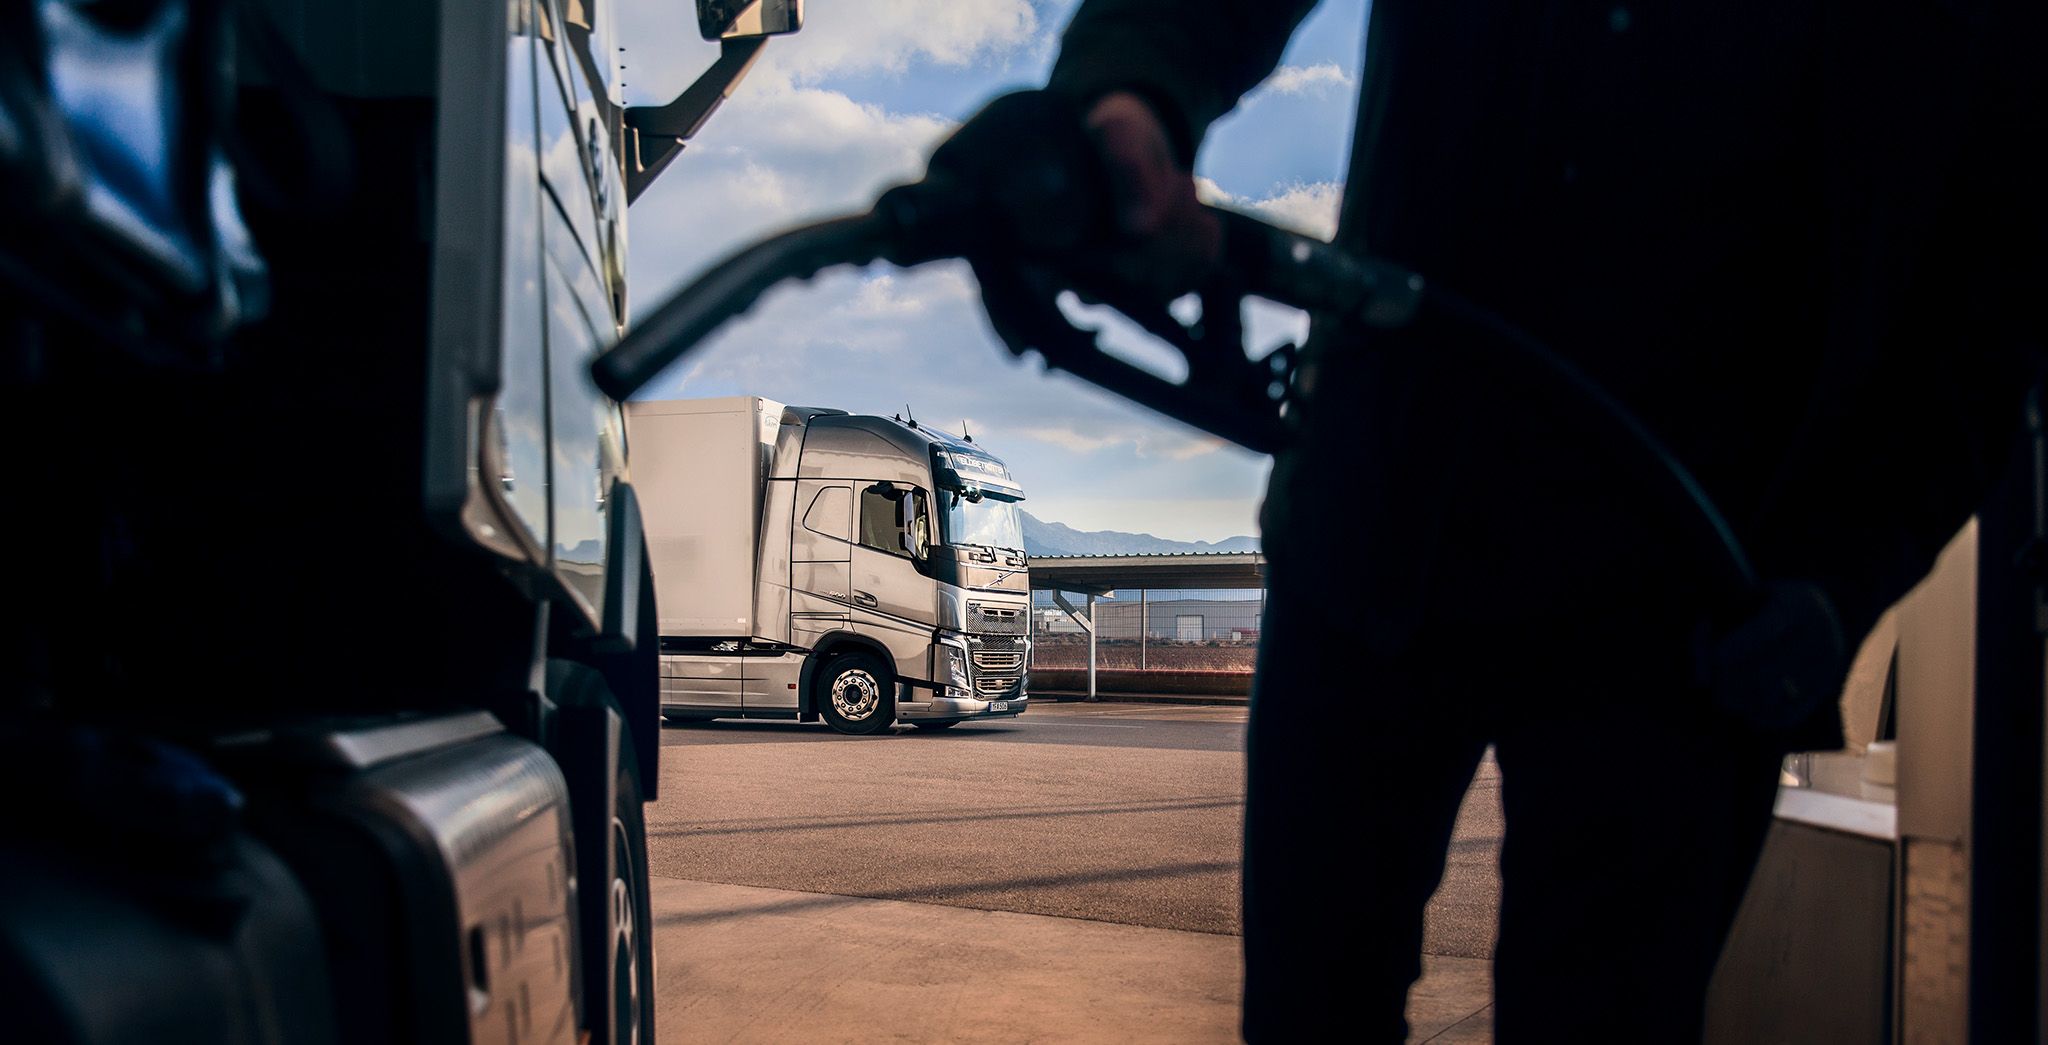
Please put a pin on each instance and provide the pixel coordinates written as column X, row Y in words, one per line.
column 1051, row 538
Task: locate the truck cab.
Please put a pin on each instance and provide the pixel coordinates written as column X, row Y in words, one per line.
column 816, row 564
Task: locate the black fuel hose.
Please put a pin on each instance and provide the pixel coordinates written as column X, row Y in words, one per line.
column 1317, row 277
column 726, row 291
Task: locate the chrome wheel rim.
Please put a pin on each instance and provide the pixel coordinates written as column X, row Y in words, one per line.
column 855, row 695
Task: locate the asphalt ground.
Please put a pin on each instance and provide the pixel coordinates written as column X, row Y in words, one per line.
column 1124, row 813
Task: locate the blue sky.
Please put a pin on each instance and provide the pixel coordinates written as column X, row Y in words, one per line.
column 853, row 104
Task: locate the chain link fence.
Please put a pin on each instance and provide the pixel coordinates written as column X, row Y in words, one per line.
column 1151, row 640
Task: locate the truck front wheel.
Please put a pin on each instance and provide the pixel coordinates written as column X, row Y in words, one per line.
column 856, row 694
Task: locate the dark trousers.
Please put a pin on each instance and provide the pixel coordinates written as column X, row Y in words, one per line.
column 1449, row 573
column 1633, row 816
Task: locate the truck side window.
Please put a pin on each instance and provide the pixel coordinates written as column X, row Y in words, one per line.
column 830, row 514
column 893, row 520
column 881, row 518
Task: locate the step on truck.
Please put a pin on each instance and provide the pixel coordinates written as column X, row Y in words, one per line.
column 815, row 564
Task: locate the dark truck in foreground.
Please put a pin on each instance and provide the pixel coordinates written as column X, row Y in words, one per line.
column 331, row 690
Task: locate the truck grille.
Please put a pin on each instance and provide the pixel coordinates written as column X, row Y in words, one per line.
column 998, row 664
column 1005, row 662
column 996, row 620
column 998, row 654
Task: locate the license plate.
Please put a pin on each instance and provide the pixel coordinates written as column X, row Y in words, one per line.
column 999, row 705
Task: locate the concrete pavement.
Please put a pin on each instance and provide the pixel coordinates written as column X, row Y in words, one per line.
column 1069, row 696
column 740, row 964
column 1079, row 811
column 1070, row 875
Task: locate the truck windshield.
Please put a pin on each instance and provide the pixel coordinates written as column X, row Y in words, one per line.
column 987, row 523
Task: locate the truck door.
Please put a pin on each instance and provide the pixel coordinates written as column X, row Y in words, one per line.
column 893, row 600
column 820, row 560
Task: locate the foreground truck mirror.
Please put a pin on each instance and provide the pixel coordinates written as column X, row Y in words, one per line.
column 655, row 133
column 738, row 19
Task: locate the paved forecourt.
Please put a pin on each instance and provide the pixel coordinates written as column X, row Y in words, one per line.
column 1069, row 875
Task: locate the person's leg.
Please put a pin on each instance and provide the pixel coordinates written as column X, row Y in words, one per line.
column 1361, row 746
column 1631, row 835
column 1355, row 777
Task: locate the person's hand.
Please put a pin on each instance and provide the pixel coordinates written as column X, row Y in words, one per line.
column 1171, row 240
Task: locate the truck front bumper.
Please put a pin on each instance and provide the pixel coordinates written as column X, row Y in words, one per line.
column 942, row 709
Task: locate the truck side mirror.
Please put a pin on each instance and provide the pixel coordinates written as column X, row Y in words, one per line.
column 914, row 523
column 656, row 133
column 739, row 19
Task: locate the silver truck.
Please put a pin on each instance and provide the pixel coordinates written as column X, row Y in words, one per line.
column 811, row 563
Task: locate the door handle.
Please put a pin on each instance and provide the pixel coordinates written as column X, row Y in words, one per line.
column 865, row 599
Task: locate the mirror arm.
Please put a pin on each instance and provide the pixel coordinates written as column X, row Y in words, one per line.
column 659, row 131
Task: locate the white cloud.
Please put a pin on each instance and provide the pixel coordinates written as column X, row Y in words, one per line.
column 878, row 298
column 1142, row 440
column 1198, row 446
column 776, row 156
column 1317, row 79
column 1069, row 439
column 1308, row 208
column 852, row 37
column 663, row 52
column 885, row 297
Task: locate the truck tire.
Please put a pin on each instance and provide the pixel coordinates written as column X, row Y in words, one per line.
column 629, row 919
column 856, row 694
column 615, row 931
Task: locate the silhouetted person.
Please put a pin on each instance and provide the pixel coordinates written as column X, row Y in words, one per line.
column 1798, row 240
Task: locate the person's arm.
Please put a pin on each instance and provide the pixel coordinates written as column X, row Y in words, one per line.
column 1152, row 75
column 1190, row 60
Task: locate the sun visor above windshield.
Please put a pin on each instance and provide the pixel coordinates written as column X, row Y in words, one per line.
column 974, row 473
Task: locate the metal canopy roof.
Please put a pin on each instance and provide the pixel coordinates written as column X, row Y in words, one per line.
column 1100, row 574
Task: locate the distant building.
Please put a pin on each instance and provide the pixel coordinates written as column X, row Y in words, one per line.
column 1165, row 619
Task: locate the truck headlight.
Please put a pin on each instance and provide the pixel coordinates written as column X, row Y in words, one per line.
column 951, row 668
